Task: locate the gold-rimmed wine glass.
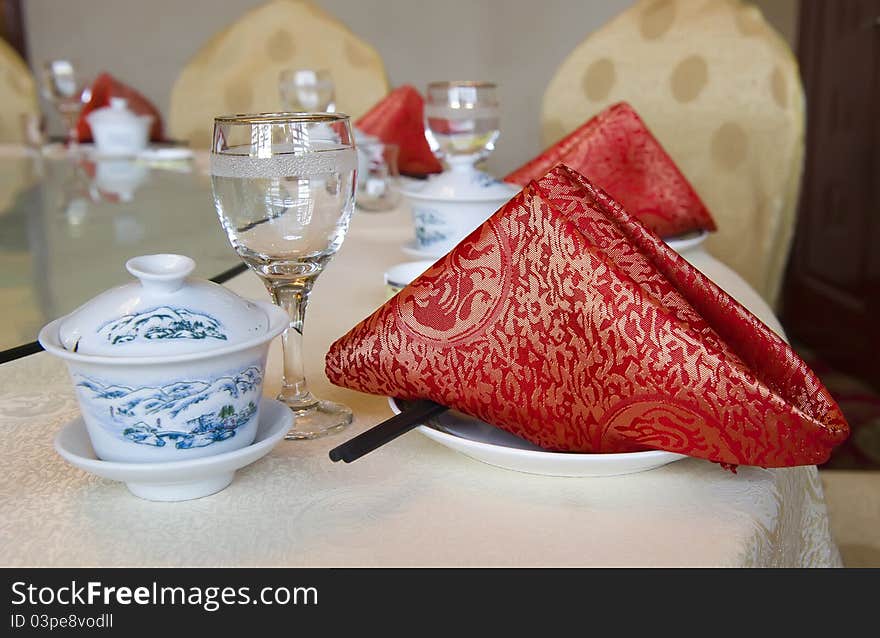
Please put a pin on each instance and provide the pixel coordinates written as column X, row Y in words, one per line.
column 284, row 186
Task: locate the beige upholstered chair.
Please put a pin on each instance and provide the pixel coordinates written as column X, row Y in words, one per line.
column 237, row 70
column 19, row 94
column 720, row 90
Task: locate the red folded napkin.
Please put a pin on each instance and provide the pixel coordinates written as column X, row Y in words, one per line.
column 105, row 87
column 616, row 151
column 399, row 118
column 565, row 321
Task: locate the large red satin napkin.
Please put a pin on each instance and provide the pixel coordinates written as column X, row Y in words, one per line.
column 616, row 151
column 399, row 118
column 105, row 87
column 563, row 320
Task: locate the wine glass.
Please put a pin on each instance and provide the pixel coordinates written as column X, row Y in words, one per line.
column 307, row 90
column 463, row 121
column 377, row 176
column 63, row 90
column 284, row 186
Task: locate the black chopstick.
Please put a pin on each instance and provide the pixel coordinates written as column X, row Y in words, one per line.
column 415, row 413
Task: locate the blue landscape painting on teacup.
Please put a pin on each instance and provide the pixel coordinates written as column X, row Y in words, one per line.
column 163, row 322
column 185, row 414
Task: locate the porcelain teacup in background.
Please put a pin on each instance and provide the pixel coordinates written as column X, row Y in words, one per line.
column 118, row 130
column 167, row 368
column 462, row 124
column 451, row 205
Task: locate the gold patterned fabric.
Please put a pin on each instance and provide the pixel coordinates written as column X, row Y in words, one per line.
column 19, row 94
column 720, row 89
column 237, row 70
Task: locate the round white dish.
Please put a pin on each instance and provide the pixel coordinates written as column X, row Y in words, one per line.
column 177, row 480
column 166, row 153
column 400, row 276
column 687, row 242
column 412, row 249
column 494, row 446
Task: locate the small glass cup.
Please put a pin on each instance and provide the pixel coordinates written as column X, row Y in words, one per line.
column 377, row 188
column 63, row 90
column 463, row 120
column 307, row 90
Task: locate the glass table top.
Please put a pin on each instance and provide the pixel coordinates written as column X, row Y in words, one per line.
column 68, row 225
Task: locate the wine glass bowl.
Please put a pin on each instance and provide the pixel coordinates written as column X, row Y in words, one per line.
column 463, row 120
column 284, row 186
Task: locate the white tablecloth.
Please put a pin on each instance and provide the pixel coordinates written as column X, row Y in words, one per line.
column 412, row 502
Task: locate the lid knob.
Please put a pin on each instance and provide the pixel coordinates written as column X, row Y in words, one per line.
column 161, row 273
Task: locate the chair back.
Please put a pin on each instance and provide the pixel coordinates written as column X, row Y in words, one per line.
column 237, row 70
column 19, row 91
column 721, row 91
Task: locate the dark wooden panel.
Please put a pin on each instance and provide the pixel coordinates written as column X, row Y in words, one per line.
column 12, row 25
column 830, row 297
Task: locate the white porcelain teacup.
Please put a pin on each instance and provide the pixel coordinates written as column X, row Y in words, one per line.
column 119, row 131
column 167, row 368
column 451, row 205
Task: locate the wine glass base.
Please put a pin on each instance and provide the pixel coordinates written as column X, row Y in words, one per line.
column 322, row 419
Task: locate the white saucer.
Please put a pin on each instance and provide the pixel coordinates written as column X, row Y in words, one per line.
column 400, row 276
column 486, row 443
column 90, row 150
column 166, row 153
column 177, row 480
column 687, row 242
column 681, row 244
column 412, row 249
column 152, row 153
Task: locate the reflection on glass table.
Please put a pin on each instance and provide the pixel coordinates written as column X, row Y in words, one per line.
column 67, row 226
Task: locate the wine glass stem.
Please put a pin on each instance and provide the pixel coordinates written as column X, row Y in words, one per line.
column 70, row 122
column 293, row 297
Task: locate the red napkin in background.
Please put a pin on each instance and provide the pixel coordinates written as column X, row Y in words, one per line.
column 106, row 86
column 565, row 321
column 399, row 118
column 616, row 151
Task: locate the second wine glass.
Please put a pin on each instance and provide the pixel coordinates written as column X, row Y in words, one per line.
column 284, row 187
column 62, row 88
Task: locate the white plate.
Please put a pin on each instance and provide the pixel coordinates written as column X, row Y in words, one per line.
column 401, row 275
column 177, row 480
column 412, row 249
column 681, row 244
column 486, row 443
column 166, row 153
column 687, row 242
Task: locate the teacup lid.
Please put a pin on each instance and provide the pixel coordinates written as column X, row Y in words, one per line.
column 165, row 312
column 466, row 184
column 116, row 113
